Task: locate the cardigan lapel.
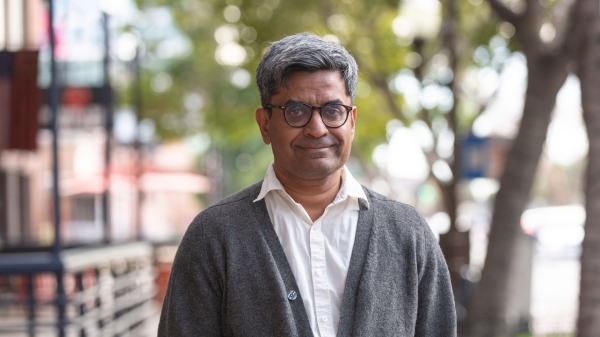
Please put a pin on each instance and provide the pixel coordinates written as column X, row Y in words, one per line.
column 357, row 261
column 261, row 215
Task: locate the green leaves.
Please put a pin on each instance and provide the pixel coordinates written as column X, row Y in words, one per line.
column 228, row 38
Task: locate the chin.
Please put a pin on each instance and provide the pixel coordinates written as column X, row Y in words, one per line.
column 317, row 170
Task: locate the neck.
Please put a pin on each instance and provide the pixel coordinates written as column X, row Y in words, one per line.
column 313, row 194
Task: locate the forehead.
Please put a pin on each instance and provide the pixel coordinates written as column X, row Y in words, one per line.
column 314, row 87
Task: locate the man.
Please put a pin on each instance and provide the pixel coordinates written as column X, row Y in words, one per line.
column 308, row 251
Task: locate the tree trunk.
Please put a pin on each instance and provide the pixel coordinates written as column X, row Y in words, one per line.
column 490, row 314
column 454, row 244
column 589, row 75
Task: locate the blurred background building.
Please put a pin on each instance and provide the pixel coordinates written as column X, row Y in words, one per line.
column 123, row 199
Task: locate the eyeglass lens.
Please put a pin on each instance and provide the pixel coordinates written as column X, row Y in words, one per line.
column 298, row 114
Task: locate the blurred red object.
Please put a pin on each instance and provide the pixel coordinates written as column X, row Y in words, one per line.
column 163, row 271
column 20, row 98
column 164, row 257
column 76, row 96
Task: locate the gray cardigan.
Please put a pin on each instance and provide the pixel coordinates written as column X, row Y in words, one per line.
column 231, row 277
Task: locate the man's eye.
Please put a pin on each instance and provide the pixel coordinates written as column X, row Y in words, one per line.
column 296, row 111
column 334, row 111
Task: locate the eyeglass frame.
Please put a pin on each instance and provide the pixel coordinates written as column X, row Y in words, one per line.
column 312, row 108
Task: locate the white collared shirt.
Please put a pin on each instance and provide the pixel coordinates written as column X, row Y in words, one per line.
column 318, row 252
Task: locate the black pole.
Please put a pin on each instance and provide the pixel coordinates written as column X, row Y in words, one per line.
column 61, row 303
column 53, row 102
column 81, row 309
column 107, row 102
column 137, row 101
column 31, row 305
column 418, row 43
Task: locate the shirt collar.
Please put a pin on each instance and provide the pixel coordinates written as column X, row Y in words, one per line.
column 350, row 187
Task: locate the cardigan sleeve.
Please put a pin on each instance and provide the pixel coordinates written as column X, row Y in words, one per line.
column 193, row 301
column 436, row 314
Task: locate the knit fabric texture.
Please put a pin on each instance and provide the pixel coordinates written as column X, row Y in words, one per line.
column 231, row 277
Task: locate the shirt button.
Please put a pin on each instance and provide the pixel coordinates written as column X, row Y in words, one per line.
column 320, row 272
column 292, row 295
column 324, row 318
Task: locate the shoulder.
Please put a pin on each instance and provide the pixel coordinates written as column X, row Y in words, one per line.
column 400, row 220
column 233, row 202
column 390, row 208
column 247, row 194
column 229, row 210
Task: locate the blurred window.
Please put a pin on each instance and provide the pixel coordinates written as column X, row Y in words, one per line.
column 83, row 208
column 14, row 209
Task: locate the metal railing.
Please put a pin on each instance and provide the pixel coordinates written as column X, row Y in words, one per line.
column 91, row 291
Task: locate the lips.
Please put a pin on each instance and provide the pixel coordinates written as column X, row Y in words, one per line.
column 313, row 145
column 322, row 150
column 319, row 147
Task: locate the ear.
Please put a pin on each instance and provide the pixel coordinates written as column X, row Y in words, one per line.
column 262, row 119
column 353, row 119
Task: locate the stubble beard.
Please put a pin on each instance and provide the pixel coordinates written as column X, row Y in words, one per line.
column 318, row 167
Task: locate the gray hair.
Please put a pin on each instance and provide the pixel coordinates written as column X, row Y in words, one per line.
column 303, row 52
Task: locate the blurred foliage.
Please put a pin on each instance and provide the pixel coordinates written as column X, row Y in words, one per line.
column 191, row 92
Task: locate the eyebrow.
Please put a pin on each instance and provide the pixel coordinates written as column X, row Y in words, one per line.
column 334, row 101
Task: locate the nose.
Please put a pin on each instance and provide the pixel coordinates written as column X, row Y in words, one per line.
column 315, row 127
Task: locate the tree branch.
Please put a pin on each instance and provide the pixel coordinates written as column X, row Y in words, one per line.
column 575, row 28
column 423, row 115
column 563, row 13
column 504, row 12
column 390, row 100
column 381, row 84
column 482, row 107
column 528, row 29
column 378, row 79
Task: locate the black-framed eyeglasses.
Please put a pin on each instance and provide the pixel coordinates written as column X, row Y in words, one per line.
column 298, row 114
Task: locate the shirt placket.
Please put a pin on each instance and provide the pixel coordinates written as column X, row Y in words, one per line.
column 320, row 283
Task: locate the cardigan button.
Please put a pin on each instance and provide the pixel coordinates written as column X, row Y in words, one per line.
column 292, row 295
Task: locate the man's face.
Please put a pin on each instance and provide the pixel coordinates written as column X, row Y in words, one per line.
column 313, row 151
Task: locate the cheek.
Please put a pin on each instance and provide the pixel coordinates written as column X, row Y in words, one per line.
column 281, row 142
column 347, row 137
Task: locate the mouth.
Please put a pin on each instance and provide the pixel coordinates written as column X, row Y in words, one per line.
column 315, row 148
column 315, row 152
